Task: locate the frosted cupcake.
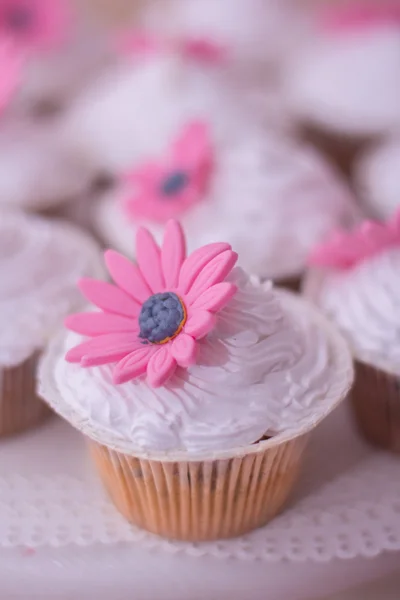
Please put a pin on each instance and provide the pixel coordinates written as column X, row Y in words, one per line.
column 196, row 387
column 58, row 51
column 138, row 106
column 271, row 199
column 377, row 178
column 358, row 288
column 345, row 81
column 37, row 169
column 40, row 264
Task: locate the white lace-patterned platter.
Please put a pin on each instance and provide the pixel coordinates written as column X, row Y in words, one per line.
column 55, row 516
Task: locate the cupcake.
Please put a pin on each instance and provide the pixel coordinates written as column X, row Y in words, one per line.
column 195, row 386
column 159, row 84
column 57, row 50
column 40, row 264
column 344, row 83
column 37, row 169
column 377, row 178
column 270, row 198
column 357, row 285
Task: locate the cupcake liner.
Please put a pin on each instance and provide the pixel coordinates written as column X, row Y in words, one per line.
column 201, row 500
column 20, row 407
column 376, row 403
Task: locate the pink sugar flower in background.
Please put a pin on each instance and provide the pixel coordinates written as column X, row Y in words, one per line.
column 359, row 14
column 345, row 250
column 11, row 66
column 165, row 189
column 144, row 43
column 35, row 25
column 150, row 320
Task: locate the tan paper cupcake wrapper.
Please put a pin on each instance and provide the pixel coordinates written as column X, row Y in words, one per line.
column 376, row 402
column 20, row 407
column 201, row 500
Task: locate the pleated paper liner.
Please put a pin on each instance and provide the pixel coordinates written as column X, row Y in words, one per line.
column 376, row 402
column 20, row 406
column 201, row 500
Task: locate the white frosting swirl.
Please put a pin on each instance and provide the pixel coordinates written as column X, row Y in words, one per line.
column 135, row 110
column 282, row 196
column 348, row 82
column 40, row 263
column 377, row 178
column 365, row 304
column 263, row 370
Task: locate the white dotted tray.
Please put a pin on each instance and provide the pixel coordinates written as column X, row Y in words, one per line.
column 53, row 509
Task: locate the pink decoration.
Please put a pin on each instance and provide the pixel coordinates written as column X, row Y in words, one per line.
column 11, row 66
column 357, row 15
column 345, row 250
column 144, row 43
column 165, row 289
column 35, row 24
column 166, row 189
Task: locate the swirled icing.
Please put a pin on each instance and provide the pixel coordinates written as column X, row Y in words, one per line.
column 134, row 110
column 40, row 263
column 285, row 195
column 377, row 178
column 261, row 370
column 328, row 81
column 365, row 304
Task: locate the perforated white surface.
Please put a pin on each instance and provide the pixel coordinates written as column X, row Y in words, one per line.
column 347, row 506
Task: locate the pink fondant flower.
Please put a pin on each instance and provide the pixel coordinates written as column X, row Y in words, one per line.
column 142, row 43
column 35, row 24
column 360, row 14
column 11, row 65
column 150, row 320
column 167, row 188
column 345, row 250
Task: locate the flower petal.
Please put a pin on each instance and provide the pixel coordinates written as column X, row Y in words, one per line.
column 199, row 323
column 161, row 366
column 214, row 272
column 193, row 147
column 184, row 350
column 194, row 264
column 149, row 260
column 173, row 253
column 108, row 297
column 133, row 365
column 127, row 276
column 104, row 348
column 98, row 323
column 216, row 297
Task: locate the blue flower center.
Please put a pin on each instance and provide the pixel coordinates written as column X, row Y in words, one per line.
column 19, row 17
column 161, row 318
column 174, row 183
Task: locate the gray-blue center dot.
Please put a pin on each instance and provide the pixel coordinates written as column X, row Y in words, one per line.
column 19, row 17
column 174, row 183
column 161, row 318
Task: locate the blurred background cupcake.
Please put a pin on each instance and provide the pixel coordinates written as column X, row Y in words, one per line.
column 40, row 263
column 357, row 285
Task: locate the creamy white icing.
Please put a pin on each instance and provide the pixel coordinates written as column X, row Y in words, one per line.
column 37, row 169
column 365, row 304
column 135, row 110
column 40, row 263
column 378, row 181
column 264, row 369
column 348, row 82
column 269, row 198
